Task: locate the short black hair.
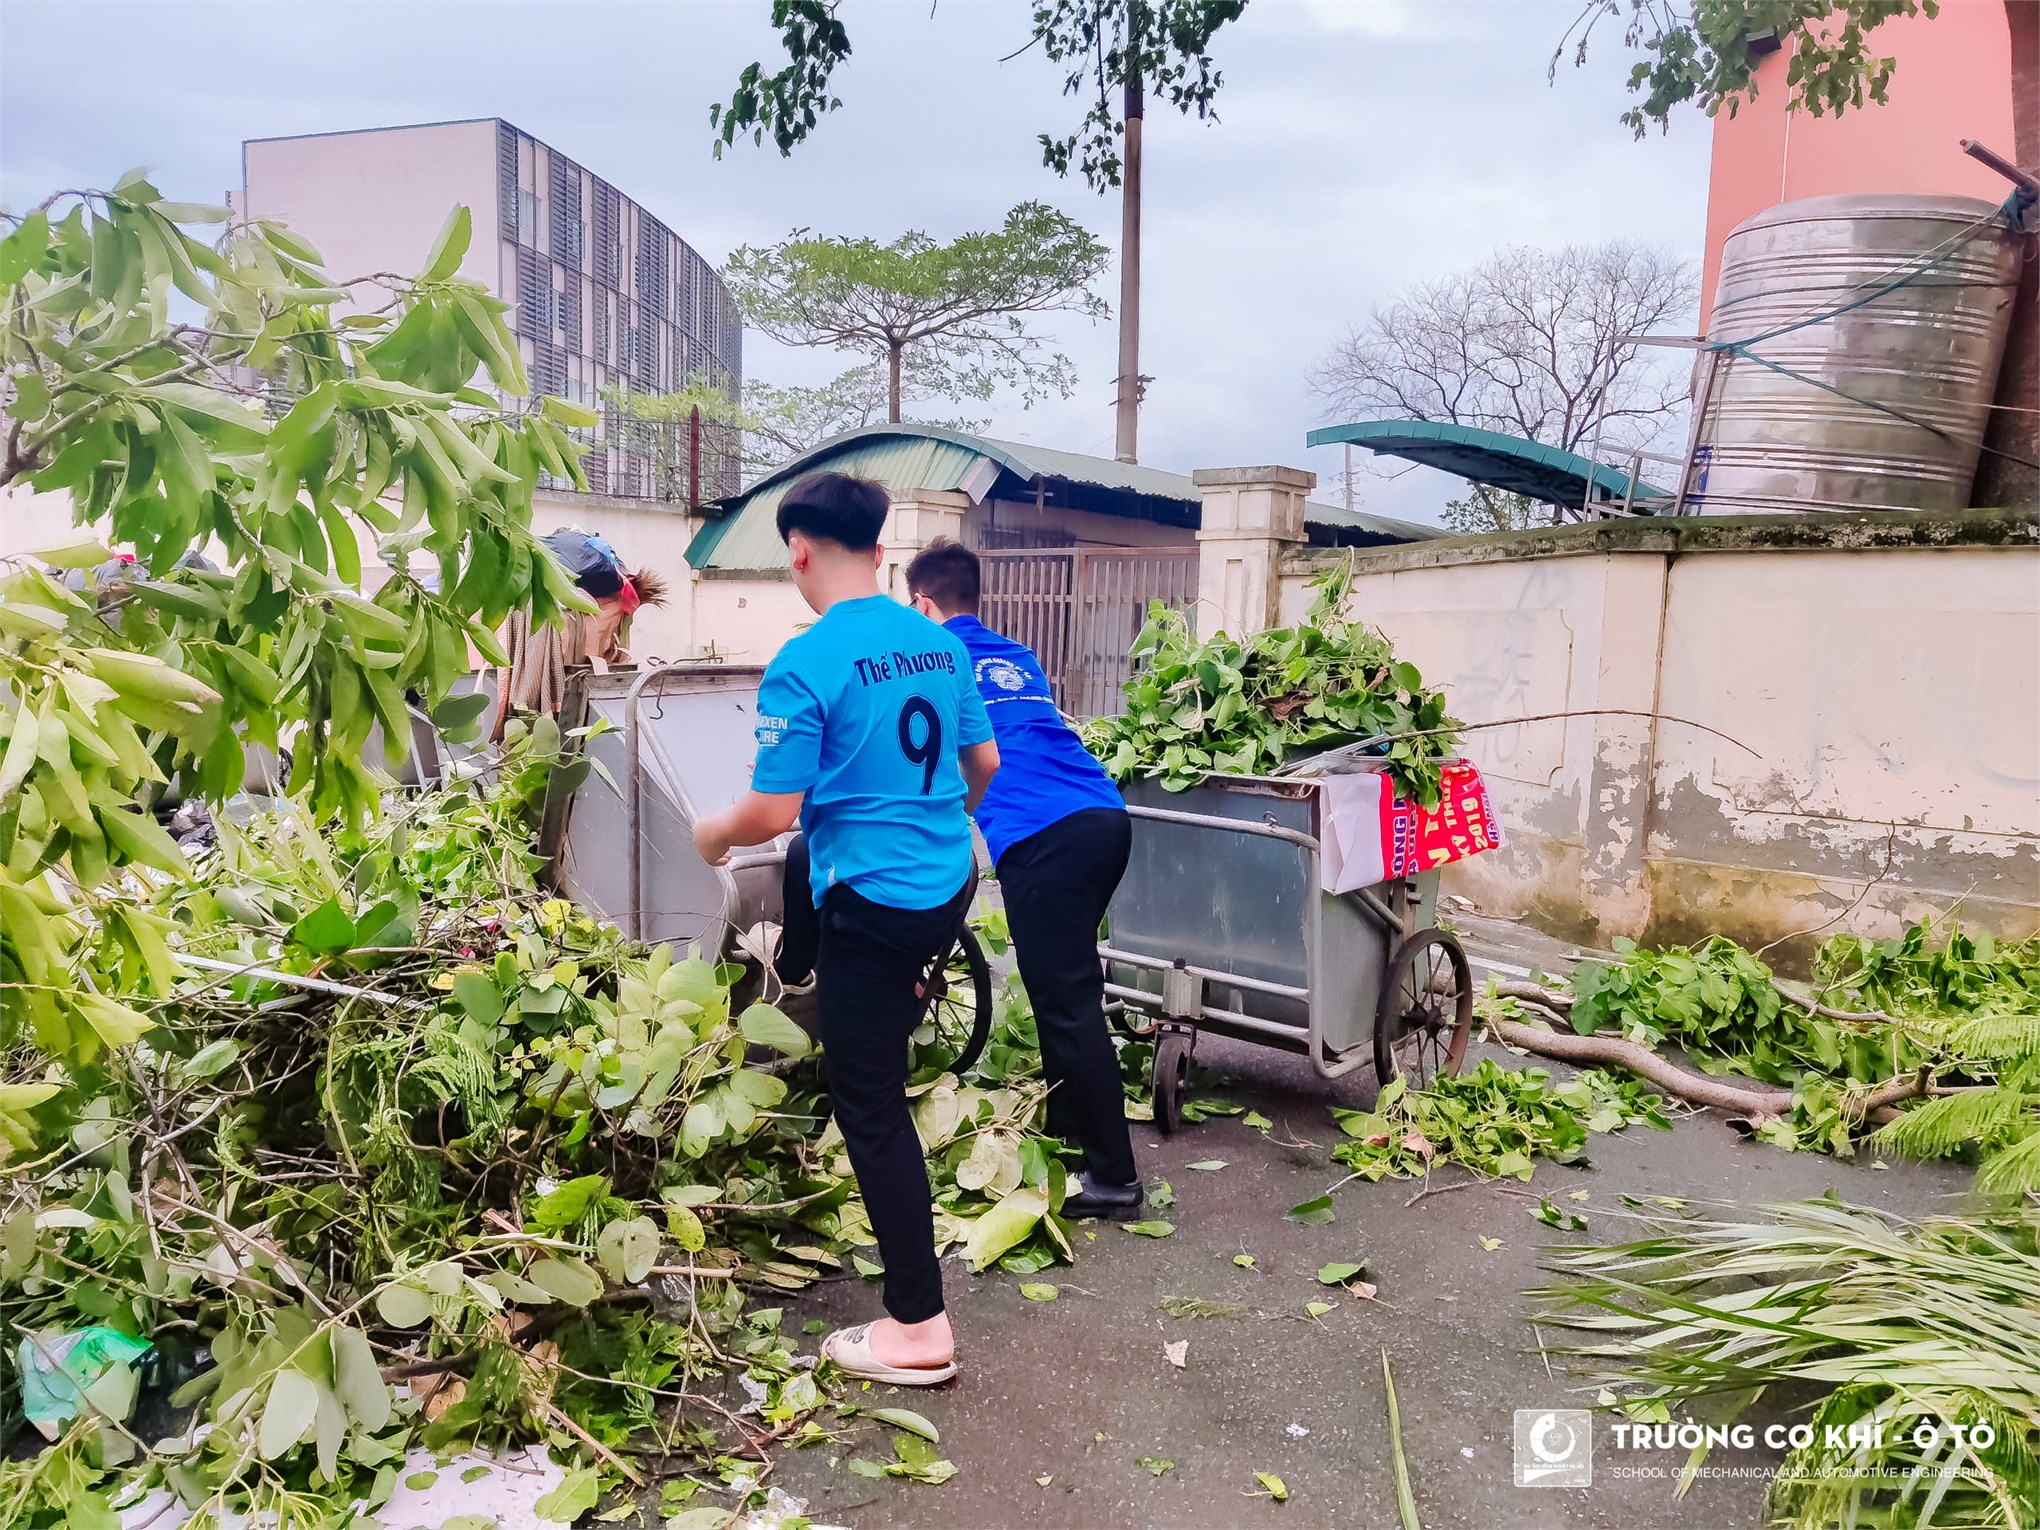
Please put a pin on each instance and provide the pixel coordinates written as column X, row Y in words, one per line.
column 836, row 508
column 947, row 573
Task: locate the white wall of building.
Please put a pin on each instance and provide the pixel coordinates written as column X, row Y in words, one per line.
column 375, row 200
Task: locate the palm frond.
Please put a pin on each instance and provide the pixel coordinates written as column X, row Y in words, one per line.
column 1945, row 1125
column 1898, row 1323
column 2013, row 1171
column 1998, row 1038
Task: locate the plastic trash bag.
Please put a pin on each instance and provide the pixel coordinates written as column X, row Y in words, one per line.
column 58, row 1368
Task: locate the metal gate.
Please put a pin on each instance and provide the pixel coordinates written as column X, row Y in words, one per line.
column 1080, row 608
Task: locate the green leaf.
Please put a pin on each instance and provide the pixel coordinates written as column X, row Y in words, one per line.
column 449, row 247
column 479, row 996
column 1338, row 1274
column 288, row 1416
column 137, row 837
column 1207, row 1165
column 325, row 929
column 194, row 212
column 908, row 1419
column 1314, row 1212
column 23, row 250
column 358, row 1380
column 574, row 416
column 457, row 715
column 115, row 1024
column 565, row 1279
column 1277, row 1489
column 568, row 1202
column 1151, row 1229
column 1039, row 1291
column 627, row 1250
column 84, row 553
column 581, row 1489
column 1000, row 1228
column 765, row 1026
column 403, row 1306
column 1316, row 1309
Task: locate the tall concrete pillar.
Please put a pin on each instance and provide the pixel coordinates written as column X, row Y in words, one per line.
column 918, row 517
column 1251, row 514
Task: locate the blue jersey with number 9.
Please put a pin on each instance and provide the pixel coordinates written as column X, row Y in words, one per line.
column 863, row 713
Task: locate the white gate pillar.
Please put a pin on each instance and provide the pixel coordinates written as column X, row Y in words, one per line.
column 918, row 517
column 1250, row 515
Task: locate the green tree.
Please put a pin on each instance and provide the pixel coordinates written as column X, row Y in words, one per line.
column 293, row 418
column 1121, row 49
column 1707, row 51
column 782, row 423
column 1486, row 508
column 661, row 428
column 953, row 313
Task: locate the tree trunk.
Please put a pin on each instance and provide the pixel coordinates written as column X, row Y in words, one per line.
column 892, row 386
column 1127, row 445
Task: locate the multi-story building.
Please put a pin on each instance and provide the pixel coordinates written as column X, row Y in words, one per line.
column 604, row 295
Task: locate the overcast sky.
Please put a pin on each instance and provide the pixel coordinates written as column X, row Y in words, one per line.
column 1364, row 145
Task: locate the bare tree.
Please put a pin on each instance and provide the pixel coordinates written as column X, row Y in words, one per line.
column 1533, row 343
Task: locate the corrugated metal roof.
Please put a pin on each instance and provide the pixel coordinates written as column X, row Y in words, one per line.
column 1338, row 518
column 747, row 536
column 903, row 457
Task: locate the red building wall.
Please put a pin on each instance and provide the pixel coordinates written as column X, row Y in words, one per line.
column 1953, row 80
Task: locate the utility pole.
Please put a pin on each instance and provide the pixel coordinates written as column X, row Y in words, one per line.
column 1127, row 444
column 1349, row 477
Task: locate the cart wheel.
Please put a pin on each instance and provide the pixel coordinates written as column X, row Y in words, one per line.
column 959, row 1002
column 1426, row 1013
column 1171, row 1079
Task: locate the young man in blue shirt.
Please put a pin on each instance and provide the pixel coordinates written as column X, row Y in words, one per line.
column 870, row 735
column 1059, row 836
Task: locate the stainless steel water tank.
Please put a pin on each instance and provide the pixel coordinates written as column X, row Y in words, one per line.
column 1926, row 352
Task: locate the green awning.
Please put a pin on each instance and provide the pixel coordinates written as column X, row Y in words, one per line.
column 1511, row 463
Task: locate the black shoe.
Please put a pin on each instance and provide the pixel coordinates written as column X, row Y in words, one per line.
column 1116, row 1203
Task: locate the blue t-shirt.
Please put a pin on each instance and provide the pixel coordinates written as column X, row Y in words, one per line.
column 1045, row 772
column 863, row 713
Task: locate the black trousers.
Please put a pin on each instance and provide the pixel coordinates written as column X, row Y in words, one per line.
column 868, row 960
column 1056, row 885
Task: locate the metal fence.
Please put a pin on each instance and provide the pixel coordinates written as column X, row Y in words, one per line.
column 1080, row 608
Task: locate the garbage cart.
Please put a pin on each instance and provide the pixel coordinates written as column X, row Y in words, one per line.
column 1222, row 924
column 679, row 742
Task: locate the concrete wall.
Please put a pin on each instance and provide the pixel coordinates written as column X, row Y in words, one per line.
column 1835, row 724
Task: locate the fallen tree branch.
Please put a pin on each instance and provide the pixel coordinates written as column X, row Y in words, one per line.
column 1533, row 993
column 1750, row 1099
column 1814, row 1006
column 1755, row 1100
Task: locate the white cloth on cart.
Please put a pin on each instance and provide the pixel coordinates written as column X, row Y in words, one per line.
column 1351, row 853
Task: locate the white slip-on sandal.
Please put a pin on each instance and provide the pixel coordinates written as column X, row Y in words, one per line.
column 850, row 1350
